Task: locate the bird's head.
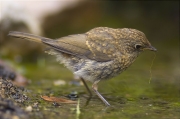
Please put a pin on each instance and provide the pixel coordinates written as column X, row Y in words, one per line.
column 134, row 41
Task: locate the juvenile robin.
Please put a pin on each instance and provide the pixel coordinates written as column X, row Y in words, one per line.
column 96, row 55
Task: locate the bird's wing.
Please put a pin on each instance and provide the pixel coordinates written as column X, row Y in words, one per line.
column 102, row 43
column 77, row 45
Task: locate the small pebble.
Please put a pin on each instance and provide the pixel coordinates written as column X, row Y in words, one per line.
column 56, row 104
column 72, row 96
column 59, row 82
column 12, row 76
column 29, row 109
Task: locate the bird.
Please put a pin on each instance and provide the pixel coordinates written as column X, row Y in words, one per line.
column 98, row 54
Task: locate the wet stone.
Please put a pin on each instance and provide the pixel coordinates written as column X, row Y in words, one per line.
column 56, row 104
column 72, row 96
column 12, row 76
column 5, row 74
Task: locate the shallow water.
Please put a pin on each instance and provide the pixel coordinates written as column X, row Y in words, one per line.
column 131, row 94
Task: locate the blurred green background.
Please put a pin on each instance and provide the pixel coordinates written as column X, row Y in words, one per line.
column 159, row 20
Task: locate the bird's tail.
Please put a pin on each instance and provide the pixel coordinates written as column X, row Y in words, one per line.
column 27, row 36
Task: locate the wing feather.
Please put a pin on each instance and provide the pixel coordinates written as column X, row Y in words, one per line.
column 76, row 45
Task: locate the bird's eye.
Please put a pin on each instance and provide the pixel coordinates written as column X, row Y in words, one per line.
column 138, row 46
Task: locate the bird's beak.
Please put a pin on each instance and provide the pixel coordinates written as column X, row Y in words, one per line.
column 151, row 48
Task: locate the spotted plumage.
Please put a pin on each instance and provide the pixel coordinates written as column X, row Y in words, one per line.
column 98, row 54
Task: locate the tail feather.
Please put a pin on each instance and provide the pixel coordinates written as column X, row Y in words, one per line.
column 26, row 36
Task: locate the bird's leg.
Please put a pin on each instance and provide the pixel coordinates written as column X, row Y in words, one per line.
column 95, row 89
column 86, row 86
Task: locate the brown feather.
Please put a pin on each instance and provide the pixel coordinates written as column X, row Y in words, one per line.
column 76, row 45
